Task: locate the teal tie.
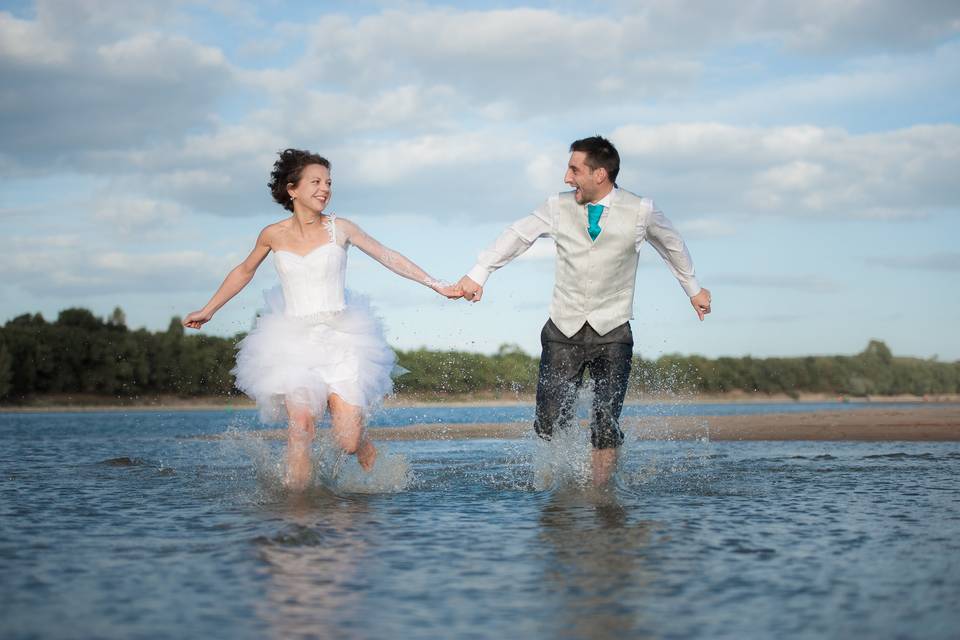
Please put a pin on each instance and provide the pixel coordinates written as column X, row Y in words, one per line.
column 593, row 218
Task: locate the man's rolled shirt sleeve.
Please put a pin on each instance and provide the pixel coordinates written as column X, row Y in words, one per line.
column 514, row 240
column 666, row 240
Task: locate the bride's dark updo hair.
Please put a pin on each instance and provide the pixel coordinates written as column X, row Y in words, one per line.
column 288, row 169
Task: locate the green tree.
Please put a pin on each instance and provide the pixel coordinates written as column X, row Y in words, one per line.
column 117, row 319
column 79, row 318
column 6, row 367
column 80, row 353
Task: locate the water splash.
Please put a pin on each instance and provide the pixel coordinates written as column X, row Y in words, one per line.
column 564, row 460
column 333, row 470
column 391, row 473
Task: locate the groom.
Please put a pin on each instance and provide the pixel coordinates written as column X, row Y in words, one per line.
column 598, row 229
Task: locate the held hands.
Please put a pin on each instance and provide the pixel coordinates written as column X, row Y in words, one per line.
column 447, row 290
column 196, row 319
column 465, row 288
column 701, row 303
column 471, row 290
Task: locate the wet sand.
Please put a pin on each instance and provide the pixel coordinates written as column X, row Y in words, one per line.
column 923, row 423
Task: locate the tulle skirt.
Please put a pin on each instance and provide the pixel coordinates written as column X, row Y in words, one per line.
column 307, row 359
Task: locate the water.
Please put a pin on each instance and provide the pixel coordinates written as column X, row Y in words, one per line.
column 524, row 412
column 125, row 526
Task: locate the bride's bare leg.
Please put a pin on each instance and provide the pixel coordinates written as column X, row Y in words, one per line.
column 347, row 427
column 301, row 431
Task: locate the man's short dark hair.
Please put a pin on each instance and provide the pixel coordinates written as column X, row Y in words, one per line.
column 600, row 152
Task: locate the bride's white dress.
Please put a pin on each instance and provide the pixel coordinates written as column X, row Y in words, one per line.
column 314, row 338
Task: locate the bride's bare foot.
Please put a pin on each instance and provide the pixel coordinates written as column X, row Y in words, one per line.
column 299, row 471
column 299, row 467
column 294, row 482
column 366, row 454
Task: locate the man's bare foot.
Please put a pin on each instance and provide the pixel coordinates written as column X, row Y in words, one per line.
column 366, row 454
column 604, row 463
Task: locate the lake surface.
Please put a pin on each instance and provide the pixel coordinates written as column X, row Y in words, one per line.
column 524, row 412
column 139, row 525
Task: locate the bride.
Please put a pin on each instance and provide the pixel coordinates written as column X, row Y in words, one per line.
column 316, row 346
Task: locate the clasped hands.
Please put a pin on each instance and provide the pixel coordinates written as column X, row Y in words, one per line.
column 465, row 288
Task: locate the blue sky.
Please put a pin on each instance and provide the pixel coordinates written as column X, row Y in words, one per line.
column 808, row 151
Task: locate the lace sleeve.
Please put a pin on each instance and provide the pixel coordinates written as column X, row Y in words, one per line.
column 393, row 260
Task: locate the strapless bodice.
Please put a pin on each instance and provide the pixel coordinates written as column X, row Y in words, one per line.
column 312, row 284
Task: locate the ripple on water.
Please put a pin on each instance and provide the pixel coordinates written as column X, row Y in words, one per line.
column 126, row 462
column 903, row 456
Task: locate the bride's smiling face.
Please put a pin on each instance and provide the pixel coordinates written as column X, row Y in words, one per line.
column 314, row 189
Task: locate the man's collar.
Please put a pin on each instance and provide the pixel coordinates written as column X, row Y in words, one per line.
column 606, row 200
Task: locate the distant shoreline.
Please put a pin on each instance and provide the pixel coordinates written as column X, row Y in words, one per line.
column 91, row 403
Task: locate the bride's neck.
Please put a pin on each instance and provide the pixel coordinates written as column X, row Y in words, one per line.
column 305, row 217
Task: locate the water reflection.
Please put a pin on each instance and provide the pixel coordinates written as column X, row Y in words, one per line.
column 594, row 565
column 313, row 567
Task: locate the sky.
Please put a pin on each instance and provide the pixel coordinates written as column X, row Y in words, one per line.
column 809, row 153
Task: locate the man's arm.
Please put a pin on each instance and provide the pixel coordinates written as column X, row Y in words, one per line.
column 514, row 240
column 663, row 237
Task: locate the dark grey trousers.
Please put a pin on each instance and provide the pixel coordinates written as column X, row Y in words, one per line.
column 562, row 364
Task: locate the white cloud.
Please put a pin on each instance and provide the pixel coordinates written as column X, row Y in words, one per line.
column 707, row 228
column 24, row 42
column 392, row 162
column 798, row 171
column 138, row 55
column 298, row 112
column 421, row 71
column 59, row 241
column 825, row 25
column 809, row 283
column 797, row 175
column 62, row 271
column 228, row 144
column 492, row 59
column 941, row 261
column 700, row 172
column 543, row 169
column 130, row 74
column 140, row 217
column 103, row 18
column 105, row 80
column 813, row 26
column 879, row 90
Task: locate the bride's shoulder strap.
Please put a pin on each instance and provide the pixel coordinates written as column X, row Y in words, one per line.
column 331, row 224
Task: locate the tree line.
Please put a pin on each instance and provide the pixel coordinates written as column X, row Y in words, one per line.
column 80, row 353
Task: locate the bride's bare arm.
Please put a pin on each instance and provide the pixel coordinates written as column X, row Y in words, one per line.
column 394, row 260
column 235, row 281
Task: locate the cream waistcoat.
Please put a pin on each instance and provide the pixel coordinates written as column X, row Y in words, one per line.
column 595, row 279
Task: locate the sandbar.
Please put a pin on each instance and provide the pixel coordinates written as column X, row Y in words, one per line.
column 924, row 423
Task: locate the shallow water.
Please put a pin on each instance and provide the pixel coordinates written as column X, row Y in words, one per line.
column 402, row 416
column 117, row 525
